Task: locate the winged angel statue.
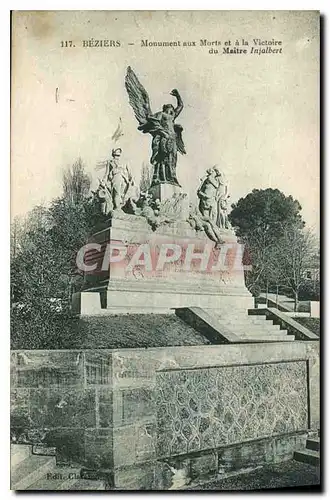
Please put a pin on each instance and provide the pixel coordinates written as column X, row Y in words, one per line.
column 166, row 135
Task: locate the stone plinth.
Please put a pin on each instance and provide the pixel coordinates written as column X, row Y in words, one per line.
column 164, row 191
column 168, row 193
column 133, row 269
column 205, row 409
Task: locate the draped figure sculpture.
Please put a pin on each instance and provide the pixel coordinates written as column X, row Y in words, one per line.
column 213, row 194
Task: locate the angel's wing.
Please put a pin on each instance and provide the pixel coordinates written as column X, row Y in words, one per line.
column 138, row 96
column 179, row 141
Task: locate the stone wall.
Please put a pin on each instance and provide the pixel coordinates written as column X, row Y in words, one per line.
column 213, row 407
column 153, row 415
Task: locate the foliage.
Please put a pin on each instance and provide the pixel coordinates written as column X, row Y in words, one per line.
column 146, row 177
column 76, row 183
column 313, row 324
column 290, row 256
column 260, row 220
column 309, row 290
column 265, row 211
column 43, row 270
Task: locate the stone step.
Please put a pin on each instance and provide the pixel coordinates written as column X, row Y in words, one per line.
column 310, row 457
column 62, row 481
column 237, row 319
column 247, row 329
column 31, row 470
column 258, row 319
column 265, row 326
column 255, row 320
column 268, row 338
column 313, row 444
column 231, row 313
column 18, row 453
column 41, row 473
column 251, row 320
column 282, row 333
column 252, row 329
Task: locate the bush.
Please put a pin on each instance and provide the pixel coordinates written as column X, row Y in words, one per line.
column 313, row 324
column 310, row 290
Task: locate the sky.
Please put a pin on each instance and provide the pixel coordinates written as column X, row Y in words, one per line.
column 255, row 116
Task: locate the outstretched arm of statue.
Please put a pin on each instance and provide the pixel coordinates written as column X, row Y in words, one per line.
column 179, row 107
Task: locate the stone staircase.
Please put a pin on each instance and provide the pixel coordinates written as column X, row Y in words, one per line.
column 252, row 328
column 40, row 472
column 311, row 454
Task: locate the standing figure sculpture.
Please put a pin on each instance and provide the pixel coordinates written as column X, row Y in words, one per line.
column 208, row 194
column 223, row 196
column 166, row 134
column 213, row 198
column 117, row 186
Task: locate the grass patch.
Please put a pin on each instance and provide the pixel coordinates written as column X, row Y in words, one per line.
column 313, row 324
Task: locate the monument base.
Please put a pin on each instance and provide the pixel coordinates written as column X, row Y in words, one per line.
column 134, row 269
column 119, row 300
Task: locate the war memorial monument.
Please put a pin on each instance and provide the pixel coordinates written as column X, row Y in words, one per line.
column 236, row 389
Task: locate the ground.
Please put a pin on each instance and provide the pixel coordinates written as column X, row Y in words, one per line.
column 313, row 324
column 291, row 474
column 116, row 331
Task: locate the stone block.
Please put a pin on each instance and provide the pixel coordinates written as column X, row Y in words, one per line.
column 56, row 408
column 138, row 404
column 142, row 287
column 134, row 444
column 98, row 368
column 48, row 368
column 180, row 468
column 20, row 419
column 257, row 453
column 164, row 191
column 203, row 465
column 314, row 392
column 161, row 298
column 104, row 407
column 98, row 445
column 163, row 476
column 86, row 303
column 69, row 444
column 315, row 308
column 141, row 477
column 134, row 368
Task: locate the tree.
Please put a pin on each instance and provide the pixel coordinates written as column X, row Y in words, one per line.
column 43, row 266
column 76, row 183
column 293, row 253
column 260, row 219
column 146, row 177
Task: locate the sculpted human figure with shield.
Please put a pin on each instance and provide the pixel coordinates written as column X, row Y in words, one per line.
column 117, row 186
column 166, row 134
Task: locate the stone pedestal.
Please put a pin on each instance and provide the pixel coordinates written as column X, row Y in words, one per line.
column 135, row 269
column 164, row 191
column 169, row 193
